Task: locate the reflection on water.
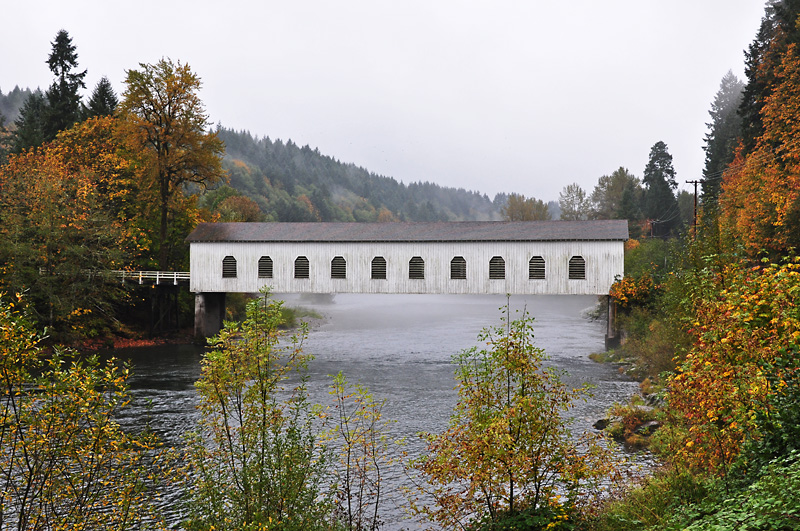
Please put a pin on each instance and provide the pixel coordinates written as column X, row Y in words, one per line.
column 399, row 346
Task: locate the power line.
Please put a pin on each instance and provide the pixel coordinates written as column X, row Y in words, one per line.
column 717, row 175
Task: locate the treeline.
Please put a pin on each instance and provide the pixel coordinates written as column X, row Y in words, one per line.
column 652, row 205
column 293, row 183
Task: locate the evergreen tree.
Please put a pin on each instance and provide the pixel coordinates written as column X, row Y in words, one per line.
column 30, row 124
column 660, row 205
column 64, row 102
column 103, row 101
column 629, row 208
column 778, row 29
column 724, row 132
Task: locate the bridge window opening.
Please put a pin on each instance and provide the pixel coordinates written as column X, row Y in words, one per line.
column 416, row 268
column 338, row 267
column 301, row 267
column 577, row 268
column 497, row 268
column 536, row 268
column 458, row 268
column 265, row 267
column 379, row 268
column 229, row 267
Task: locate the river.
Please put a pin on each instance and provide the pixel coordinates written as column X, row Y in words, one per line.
column 399, row 346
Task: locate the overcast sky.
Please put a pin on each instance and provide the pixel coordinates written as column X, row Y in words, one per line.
column 494, row 96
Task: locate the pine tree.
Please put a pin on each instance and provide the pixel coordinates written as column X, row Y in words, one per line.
column 660, row 205
column 103, row 101
column 64, row 102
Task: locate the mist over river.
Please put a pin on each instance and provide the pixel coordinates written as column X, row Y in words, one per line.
column 400, row 347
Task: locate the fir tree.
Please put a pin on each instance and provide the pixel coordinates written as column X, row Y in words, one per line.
column 724, row 132
column 660, row 205
column 103, row 101
column 778, row 29
column 30, row 124
column 64, row 102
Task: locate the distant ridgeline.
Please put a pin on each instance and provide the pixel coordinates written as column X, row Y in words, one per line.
column 292, row 183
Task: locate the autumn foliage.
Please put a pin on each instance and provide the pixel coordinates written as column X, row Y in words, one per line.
column 508, row 451
column 747, row 341
column 65, row 461
column 760, row 202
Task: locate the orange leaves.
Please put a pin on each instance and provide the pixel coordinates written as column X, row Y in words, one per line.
column 628, row 290
column 720, row 387
column 761, row 190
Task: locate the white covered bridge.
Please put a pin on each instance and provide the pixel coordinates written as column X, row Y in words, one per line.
column 470, row 257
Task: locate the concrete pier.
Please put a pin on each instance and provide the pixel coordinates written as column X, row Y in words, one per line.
column 209, row 311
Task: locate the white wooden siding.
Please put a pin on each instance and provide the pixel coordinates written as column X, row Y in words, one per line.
column 604, row 261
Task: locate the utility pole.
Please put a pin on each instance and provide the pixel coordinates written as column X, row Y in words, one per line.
column 694, row 225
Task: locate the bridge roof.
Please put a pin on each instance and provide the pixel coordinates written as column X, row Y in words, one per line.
column 442, row 231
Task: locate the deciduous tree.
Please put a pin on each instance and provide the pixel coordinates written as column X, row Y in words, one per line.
column 65, row 461
column 573, row 202
column 508, row 448
column 607, row 196
column 167, row 120
column 518, row 208
column 256, row 463
column 761, row 191
column 68, row 214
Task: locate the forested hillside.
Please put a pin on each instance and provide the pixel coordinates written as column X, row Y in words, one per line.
column 293, row 183
column 11, row 103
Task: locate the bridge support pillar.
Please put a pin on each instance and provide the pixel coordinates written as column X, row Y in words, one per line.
column 209, row 310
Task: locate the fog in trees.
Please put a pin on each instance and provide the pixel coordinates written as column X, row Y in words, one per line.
column 725, row 130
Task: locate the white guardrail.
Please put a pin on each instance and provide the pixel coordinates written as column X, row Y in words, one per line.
column 157, row 277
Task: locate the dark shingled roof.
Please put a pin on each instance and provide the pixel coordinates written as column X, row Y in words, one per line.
column 457, row 231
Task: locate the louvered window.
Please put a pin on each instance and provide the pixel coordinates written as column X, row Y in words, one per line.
column 301, row 267
column 497, row 268
column 379, row 268
column 416, row 268
column 577, row 268
column 229, row 267
column 338, row 267
column 458, row 268
column 536, row 268
column 265, row 267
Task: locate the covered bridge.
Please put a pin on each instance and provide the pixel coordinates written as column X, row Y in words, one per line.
column 469, row 257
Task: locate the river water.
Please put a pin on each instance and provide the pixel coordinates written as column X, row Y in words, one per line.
column 399, row 346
